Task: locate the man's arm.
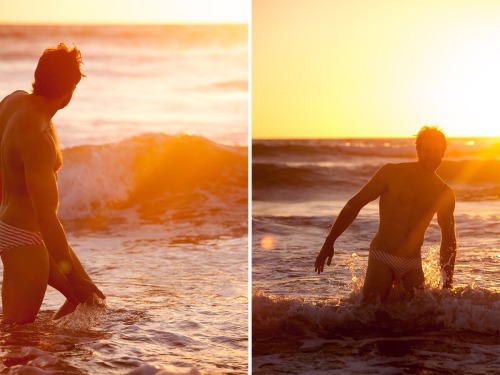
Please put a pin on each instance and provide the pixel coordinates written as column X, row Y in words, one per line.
column 39, row 157
column 371, row 191
column 448, row 250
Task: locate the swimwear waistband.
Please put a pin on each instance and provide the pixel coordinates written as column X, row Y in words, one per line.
column 11, row 236
column 399, row 265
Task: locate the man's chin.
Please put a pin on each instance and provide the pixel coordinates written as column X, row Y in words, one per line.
column 430, row 166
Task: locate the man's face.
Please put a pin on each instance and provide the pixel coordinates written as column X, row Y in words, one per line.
column 430, row 154
column 67, row 98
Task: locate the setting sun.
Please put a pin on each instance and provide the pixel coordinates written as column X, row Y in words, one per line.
column 374, row 69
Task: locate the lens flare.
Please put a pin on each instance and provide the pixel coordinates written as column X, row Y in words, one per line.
column 267, row 242
column 65, row 267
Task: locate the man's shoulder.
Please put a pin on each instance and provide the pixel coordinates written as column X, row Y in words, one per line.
column 11, row 98
column 29, row 123
column 397, row 167
column 14, row 94
column 447, row 190
column 443, row 186
column 21, row 114
column 17, row 93
column 36, row 148
column 446, row 202
column 28, row 135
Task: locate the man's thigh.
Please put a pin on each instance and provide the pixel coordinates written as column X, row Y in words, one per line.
column 378, row 280
column 25, row 277
column 413, row 279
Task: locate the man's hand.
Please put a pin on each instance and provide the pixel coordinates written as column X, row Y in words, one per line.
column 447, row 285
column 84, row 289
column 447, row 275
column 326, row 253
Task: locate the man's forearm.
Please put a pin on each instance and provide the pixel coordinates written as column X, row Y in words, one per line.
column 448, row 254
column 57, row 245
column 343, row 221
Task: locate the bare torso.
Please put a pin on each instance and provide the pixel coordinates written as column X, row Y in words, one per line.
column 407, row 206
column 18, row 119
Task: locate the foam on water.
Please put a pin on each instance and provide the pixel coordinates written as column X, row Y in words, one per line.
column 173, row 305
column 152, row 178
column 429, row 332
column 468, row 309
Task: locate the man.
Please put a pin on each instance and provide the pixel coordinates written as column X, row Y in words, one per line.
column 33, row 245
column 410, row 194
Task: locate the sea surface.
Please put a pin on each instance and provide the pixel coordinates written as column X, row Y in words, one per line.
column 153, row 197
column 304, row 323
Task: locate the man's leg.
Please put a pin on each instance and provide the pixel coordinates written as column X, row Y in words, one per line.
column 413, row 280
column 25, row 277
column 378, row 281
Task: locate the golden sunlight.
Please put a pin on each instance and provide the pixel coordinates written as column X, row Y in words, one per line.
column 382, row 69
column 467, row 87
column 124, row 11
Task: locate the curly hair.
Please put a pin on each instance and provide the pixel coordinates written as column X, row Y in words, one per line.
column 58, row 71
column 431, row 132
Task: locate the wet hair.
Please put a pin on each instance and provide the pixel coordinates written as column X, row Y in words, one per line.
column 58, row 71
column 433, row 133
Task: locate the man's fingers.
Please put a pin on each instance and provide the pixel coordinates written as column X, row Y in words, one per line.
column 319, row 265
column 99, row 293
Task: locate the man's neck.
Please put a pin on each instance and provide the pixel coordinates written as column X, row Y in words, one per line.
column 47, row 107
column 425, row 172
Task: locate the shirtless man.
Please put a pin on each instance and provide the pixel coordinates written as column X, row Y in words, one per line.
column 33, row 246
column 410, row 194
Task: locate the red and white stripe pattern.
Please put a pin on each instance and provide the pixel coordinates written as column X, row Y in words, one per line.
column 399, row 265
column 11, row 236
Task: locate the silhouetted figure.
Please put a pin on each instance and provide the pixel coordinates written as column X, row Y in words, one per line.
column 410, row 194
column 33, row 245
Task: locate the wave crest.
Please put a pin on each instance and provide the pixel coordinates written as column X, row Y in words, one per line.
column 468, row 308
column 151, row 175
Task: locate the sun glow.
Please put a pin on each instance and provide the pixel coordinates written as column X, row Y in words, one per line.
column 375, row 69
column 124, row 11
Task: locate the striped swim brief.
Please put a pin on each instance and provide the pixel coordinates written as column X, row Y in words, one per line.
column 11, row 236
column 400, row 266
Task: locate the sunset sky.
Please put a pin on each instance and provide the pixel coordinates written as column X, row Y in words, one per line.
column 124, row 11
column 351, row 68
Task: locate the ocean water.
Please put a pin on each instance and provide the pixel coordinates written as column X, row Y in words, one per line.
column 308, row 323
column 153, row 197
column 166, row 78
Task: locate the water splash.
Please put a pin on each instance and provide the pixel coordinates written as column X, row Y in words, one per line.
column 151, row 370
column 86, row 316
column 152, row 175
column 431, row 267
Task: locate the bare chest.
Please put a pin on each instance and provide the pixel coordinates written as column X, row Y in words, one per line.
column 413, row 194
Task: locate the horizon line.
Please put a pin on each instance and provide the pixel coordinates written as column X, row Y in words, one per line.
column 367, row 137
column 124, row 23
